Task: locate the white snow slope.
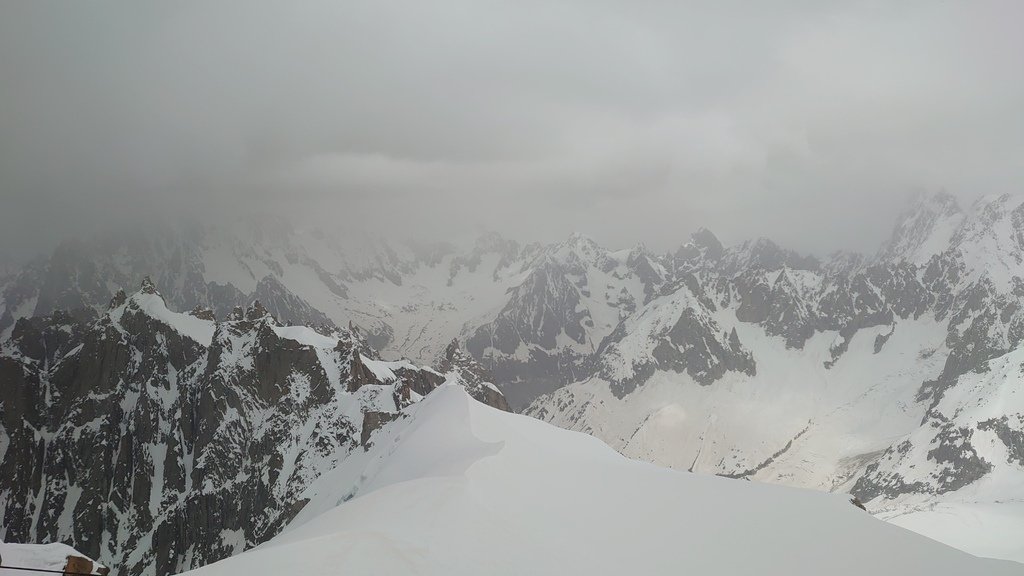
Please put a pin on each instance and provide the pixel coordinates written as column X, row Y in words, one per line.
column 460, row 488
column 53, row 556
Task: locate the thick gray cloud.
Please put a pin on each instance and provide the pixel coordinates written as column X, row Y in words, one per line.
column 809, row 122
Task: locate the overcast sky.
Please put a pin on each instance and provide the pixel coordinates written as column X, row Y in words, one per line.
column 806, row 121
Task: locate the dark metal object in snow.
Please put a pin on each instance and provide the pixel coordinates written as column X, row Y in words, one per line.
column 45, row 570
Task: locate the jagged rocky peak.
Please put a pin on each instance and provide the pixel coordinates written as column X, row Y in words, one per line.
column 706, row 239
column 488, row 244
column 493, row 242
column 578, row 252
column 203, row 313
column 255, row 312
column 648, row 268
column 455, row 368
column 764, row 254
column 638, row 251
column 707, row 243
column 676, row 333
column 580, row 241
column 462, row 369
column 703, row 249
column 984, row 213
column 147, row 286
column 118, row 299
column 992, row 236
column 925, row 229
column 286, row 306
column 843, row 263
column 454, row 356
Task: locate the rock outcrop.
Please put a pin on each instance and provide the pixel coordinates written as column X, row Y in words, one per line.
column 157, row 441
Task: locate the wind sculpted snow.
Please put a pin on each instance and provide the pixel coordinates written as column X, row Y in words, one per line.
column 458, row 488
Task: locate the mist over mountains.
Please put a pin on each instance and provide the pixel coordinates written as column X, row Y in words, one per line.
column 462, row 288
column 891, row 376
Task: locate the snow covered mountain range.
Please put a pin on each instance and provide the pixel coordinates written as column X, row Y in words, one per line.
column 896, row 377
column 536, row 314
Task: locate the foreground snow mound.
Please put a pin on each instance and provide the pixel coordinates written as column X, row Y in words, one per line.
column 461, row 488
column 52, row 556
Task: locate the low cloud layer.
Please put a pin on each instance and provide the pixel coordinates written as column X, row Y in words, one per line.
column 808, row 122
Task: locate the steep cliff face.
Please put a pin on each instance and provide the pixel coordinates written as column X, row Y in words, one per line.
column 461, row 368
column 573, row 296
column 157, row 441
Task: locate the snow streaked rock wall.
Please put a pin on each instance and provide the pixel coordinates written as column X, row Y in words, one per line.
column 157, row 441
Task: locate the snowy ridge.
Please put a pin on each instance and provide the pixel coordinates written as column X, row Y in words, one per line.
column 152, row 304
column 516, row 496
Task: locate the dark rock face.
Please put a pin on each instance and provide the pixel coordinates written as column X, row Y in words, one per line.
column 545, row 307
column 687, row 348
column 674, row 333
column 288, row 307
column 704, row 248
column 645, row 267
column 941, row 456
column 373, row 421
column 548, row 331
column 878, row 481
column 955, row 462
column 456, row 367
column 540, row 309
column 158, row 441
column 110, row 415
column 421, row 382
column 1009, row 429
column 470, row 374
column 960, row 461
